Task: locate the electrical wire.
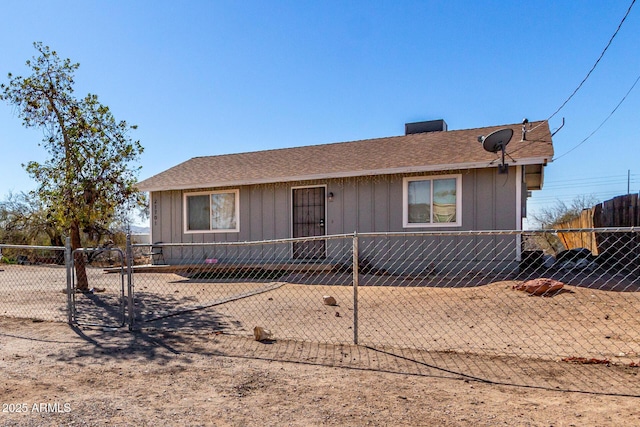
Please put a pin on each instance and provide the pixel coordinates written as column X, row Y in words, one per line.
column 569, row 189
column 590, row 186
column 591, row 178
column 582, row 183
column 591, row 134
column 532, row 202
column 590, row 182
column 577, row 89
column 594, row 65
column 601, row 124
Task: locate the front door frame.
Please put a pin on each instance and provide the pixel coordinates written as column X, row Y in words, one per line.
column 301, row 187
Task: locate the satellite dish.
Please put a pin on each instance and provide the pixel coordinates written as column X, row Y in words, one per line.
column 497, row 141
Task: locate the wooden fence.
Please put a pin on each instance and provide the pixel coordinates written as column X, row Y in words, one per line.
column 579, row 239
column 622, row 249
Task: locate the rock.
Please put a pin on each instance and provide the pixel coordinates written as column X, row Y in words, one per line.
column 539, row 287
column 329, row 300
column 261, row 334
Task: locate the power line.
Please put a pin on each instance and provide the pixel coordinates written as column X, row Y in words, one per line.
column 591, row 182
column 577, row 190
column 597, row 179
column 577, row 187
column 574, row 194
column 592, row 68
column 596, row 63
column 602, row 196
column 601, row 124
column 569, row 189
column 568, row 193
column 577, row 184
column 592, row 178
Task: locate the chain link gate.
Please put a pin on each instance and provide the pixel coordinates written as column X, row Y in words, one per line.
column 103, row 303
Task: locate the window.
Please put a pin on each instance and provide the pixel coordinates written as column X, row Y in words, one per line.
column 433, row 201
column 214, row 212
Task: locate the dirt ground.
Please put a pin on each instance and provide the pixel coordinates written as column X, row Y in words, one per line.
column 484, row 356
column 54, row 374
column 492, row 320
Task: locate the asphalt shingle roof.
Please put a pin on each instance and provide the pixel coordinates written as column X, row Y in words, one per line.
column 421, row 152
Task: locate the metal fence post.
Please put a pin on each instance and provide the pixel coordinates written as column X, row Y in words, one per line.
column 356, row 275
column 68, row 266
column 129, row 255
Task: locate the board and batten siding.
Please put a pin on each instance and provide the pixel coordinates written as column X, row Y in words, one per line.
column 362, row 204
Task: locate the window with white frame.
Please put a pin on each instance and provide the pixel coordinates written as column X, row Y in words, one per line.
column 432, row 201
column 211, row 211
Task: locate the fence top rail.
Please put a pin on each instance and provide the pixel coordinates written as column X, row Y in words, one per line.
column 52, row 248
column 593, row 230
column 502, row 232
column 99, row 250
column 244, row 243
column 398, row 234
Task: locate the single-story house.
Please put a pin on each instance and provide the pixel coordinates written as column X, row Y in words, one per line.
column 429, row 179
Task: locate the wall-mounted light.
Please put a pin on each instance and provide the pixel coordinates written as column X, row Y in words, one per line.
column 330, row 196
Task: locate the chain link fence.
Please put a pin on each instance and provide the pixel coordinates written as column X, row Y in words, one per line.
column 517, row 295
column 493, row 306
column 482, row 293
column 231, row 288
column 33, row 282
column 492, row 293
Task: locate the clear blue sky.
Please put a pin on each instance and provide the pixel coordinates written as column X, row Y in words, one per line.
column 212, row 77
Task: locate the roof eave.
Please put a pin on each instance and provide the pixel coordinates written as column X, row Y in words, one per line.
column 347, row 174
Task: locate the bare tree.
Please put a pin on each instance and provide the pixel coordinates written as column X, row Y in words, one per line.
column 553, row 215
column 24, row 220
column 561, row 211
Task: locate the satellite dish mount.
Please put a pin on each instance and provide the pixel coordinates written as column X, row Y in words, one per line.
column 497, row 141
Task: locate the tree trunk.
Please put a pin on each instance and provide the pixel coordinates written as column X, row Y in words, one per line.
column 55, row 238
column 82, row 281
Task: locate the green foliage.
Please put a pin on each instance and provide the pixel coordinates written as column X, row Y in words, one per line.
column 7, row 260
column 87, row 178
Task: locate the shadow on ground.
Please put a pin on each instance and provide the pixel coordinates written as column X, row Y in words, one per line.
column 162, row 347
